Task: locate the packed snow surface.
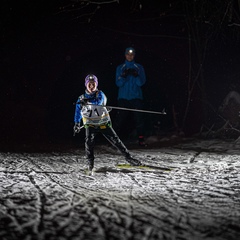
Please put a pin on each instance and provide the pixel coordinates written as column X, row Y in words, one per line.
column 194, row 193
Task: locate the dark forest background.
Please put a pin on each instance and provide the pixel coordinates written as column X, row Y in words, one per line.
column 189, row 49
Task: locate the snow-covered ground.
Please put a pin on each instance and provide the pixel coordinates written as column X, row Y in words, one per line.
column 194, row 194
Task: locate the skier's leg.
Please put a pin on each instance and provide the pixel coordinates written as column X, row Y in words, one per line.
column 89, row 146
column 121, row 117
column 113, row 138
column 140, row 128
column 139, row 120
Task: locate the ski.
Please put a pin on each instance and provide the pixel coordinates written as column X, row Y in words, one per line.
column 127, row 168
column 143, row 167
column 106, row 169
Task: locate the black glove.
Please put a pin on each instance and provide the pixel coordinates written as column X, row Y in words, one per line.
column 125, row 73
column 133, row 72
column 76, row 128
column 84, row 101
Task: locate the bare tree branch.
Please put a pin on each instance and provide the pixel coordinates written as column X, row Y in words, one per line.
column 83, row 9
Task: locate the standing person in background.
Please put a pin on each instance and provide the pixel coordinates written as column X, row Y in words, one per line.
column 130, row 77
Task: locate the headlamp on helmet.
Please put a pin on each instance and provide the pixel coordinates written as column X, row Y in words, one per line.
column 130, row 50
column 89, row 78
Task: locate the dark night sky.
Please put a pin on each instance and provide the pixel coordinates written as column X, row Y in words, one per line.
column 47, row 52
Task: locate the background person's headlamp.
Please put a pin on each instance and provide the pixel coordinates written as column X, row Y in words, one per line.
column 130, row 50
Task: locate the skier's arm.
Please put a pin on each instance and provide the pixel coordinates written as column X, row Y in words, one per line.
column 120, row 79
column 101, row 98
column 77, row 115
column 141, row 78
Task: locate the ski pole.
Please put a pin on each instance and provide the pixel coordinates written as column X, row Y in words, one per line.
column 137, row 110
column 129, row 109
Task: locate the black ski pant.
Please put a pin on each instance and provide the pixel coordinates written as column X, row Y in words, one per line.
column 122, row 115
column 109, row 134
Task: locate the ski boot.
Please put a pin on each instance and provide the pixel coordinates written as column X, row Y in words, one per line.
column 141, row 141
column 132, row 161
column 90, row 167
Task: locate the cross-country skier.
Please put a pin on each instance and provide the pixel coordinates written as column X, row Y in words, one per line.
column 90, row 108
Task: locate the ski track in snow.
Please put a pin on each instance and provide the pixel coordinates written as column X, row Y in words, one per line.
column 49, row 196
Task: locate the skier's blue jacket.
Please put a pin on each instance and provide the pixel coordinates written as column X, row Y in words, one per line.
column 96, row 98
column 130, row 87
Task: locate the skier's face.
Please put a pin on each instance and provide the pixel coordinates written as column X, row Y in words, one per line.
column 129, row 57
column 91, row 86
